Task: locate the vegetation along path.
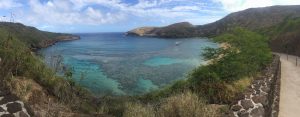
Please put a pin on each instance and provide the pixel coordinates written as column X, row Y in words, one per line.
column 290, row 87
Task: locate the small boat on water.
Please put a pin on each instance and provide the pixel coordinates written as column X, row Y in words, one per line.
column 177, row 43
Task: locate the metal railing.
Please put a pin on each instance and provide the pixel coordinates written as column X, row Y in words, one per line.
column 291, row 58
column 294, row 59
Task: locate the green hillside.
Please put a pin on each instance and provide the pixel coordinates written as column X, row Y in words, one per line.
column 19, row 63
column 31, row 36
column 285, row 37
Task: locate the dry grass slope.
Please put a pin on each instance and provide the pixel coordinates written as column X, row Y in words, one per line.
column 180, row 105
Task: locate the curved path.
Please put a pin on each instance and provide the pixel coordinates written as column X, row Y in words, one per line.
column 289, row 105
column 11, row 106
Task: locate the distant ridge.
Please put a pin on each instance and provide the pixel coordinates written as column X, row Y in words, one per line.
column 252, row 19
column 281, row 24
column 178, row 30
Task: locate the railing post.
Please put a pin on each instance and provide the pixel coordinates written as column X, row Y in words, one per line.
column 296, row 61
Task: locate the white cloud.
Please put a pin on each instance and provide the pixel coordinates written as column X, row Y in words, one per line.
column 67, row 13
column 86, row 12
column 52, row 13
column 236, row 5
column 45, row 26
column 94, row 15
column 9, row 4
column 186, row 8
column 58, row 12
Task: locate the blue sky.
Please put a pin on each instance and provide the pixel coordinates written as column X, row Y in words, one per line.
column 121, row 15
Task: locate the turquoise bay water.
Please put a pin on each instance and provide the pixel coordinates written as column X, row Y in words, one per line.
column 114, row 64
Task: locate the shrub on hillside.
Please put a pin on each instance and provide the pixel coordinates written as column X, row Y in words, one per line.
column 248, row 54
column 18, row 60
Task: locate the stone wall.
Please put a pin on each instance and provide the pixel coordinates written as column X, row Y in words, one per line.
column 262, row 98
column 11, row 106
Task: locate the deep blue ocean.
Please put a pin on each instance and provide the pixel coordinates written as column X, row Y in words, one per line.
column 115, row 64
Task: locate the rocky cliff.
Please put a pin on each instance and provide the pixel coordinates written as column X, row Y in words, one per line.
column 252, row 19
column 142, row 31
column 51, row 41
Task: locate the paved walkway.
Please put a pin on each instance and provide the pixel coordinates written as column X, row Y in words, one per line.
column 11, row 106
column 290, row 87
